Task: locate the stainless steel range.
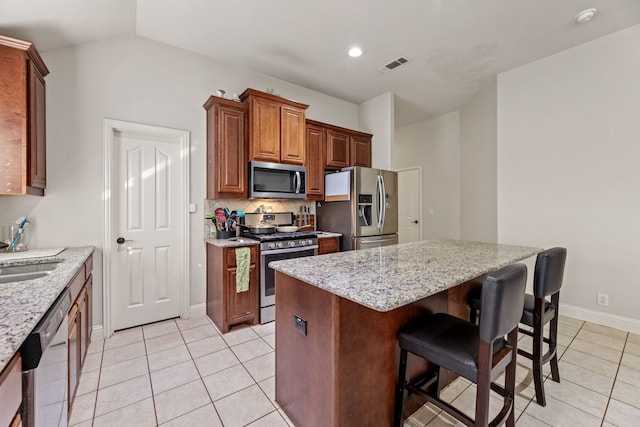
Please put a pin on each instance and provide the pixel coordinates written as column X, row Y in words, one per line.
column 273, row 247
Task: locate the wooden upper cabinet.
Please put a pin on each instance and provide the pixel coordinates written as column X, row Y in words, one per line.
column 292, row 142
column 338, row 148
column 22, row 118
column 347, row 148
column 361, row 150
column 316, row 148
column 227, row 172
column 277, row 127
column 264, row 136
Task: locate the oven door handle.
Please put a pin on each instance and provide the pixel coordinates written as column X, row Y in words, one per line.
column 287, row 250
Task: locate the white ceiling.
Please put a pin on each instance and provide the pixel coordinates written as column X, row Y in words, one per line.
column 455, row 46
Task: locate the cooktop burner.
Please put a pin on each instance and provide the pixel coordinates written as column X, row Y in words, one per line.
column 275, row 237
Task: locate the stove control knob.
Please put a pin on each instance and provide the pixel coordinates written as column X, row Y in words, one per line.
column 292, row 244
column 309, row 242
column 271, row 246
column 302, row 243
column 280, row 245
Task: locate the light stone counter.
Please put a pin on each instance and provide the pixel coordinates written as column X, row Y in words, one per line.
column 233, row 242
column 393, row 276
column 23, row 304
column 327, row 234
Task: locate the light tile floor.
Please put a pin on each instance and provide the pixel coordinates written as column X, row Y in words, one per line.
column 184, row 373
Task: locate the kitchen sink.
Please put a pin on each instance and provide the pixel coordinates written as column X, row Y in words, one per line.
column 19, row 273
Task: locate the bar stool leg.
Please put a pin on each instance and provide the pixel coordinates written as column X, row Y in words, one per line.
column 400, row 389
column 538, row 336
column 553, row 340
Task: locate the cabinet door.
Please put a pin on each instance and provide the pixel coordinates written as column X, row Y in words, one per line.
column 11, row 391
column 36, row 161
column 316, row 146
column 328, row 245
column 292, row 144
column 338, row 146
column 264, row 136
column 74, row 352
column 89, row 324
column 227, row 152
column 361, row 150
column 242, row 306
column 83, row 315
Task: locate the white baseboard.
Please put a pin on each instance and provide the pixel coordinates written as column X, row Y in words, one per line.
column 197, row 310
column 606, row 319
column 97, row 333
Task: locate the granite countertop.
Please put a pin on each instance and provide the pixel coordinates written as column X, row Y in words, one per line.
column 23, row 304
column 389, row 277
column 245, row 241
column 232, row 243
column 327, row 234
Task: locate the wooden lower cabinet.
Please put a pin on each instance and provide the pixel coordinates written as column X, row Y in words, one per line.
column 225, row 306
column 74, row 353
column 328, row 245
column 80, row 319
column 11, row 393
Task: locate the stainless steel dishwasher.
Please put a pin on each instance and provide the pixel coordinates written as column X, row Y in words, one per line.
column 45, row 368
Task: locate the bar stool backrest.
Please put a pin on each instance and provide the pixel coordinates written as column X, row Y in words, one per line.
column 502, row 301
column 547, row 277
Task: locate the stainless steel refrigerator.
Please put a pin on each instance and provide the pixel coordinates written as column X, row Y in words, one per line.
column 362, row 204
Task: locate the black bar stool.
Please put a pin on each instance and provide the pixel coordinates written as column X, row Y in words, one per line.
column 477, row 352
column 539, row 309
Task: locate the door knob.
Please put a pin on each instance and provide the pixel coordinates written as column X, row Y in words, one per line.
column 415, row 222
column 121, row 240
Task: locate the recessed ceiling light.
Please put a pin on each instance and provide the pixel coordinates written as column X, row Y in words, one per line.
column 585, row 16
column 354, row 52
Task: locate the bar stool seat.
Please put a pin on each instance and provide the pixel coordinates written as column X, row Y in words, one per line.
column 529, row 307
column 479, row 353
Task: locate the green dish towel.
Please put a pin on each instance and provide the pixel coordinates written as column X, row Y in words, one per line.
column 243, row 260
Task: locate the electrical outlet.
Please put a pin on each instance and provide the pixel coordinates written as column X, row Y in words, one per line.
column 603, row 299
column 299, row 324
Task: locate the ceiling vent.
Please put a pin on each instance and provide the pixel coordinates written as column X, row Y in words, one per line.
column 394, row 65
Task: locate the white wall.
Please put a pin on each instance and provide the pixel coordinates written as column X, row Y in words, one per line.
column 377, row 116
column 132, row 79
column 434, row 145
column 478, row 167
column 569, row 169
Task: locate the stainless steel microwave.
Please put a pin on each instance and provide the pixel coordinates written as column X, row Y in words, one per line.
column 277, row 181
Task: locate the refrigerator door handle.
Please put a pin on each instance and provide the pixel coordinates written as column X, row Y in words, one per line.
column 379, row 200
column 378, row 240
column 383, row 201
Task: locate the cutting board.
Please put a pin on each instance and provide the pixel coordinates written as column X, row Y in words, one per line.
column 31, row 253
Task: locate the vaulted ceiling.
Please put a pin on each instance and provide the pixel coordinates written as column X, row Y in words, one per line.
column 454, row 47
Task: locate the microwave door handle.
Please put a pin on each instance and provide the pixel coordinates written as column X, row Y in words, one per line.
column 297, row 181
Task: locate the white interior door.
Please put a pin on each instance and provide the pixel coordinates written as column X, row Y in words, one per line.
column 409, row 205
column 147, row 279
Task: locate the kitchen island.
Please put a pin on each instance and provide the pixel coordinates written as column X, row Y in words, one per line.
column 338, row 315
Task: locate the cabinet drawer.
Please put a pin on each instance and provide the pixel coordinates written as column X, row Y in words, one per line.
column 231, row 256
column 10, row 390
column 76, row 284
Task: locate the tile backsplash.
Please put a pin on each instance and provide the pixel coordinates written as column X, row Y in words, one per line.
column 250, row 206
